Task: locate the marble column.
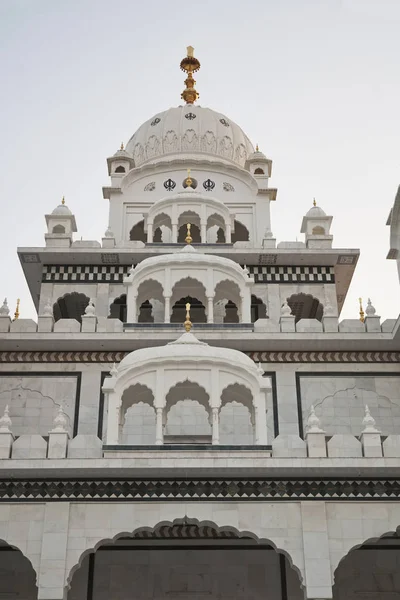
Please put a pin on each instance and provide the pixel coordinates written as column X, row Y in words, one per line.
column 228, row 233
column 149, row 233
column 167, row 309
column 215, row 426
column 203, row 232
column 174, row 235
column 159, row 427
column 133, row 310
column 210, row 310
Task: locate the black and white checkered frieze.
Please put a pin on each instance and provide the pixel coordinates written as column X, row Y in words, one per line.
column 116, row 274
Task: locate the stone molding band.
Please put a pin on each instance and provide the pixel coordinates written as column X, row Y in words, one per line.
column 199, row 489
column 259, row 356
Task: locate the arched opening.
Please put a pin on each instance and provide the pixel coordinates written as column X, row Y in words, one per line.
column 186, row 558
column 58, row 229
column 162, row 228
column 318, row 230
column 192, row 291
column 150, row 301
column 197, row 310
column 118, row 309
column 216, row 229
column 70, row 306
column 137, row 416
column 258, row 309
column 227, row 302
column 241, row 428
column 137, row 233
column 370, row 571
column 259, row 171
column 240, row 233
column 221, row 239
column 18, row 578
column 305, row 306
column 120, row 169
column 194, row 232
column 187, row 414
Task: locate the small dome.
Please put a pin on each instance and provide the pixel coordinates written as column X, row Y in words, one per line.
column 189, row 349
column 257, row 155
column 316, row 212
column 190, row 130
column 122, row 154
column 62, row 210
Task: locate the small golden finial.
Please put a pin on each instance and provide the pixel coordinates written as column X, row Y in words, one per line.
column 16, row 314
column 188, row 238
column 63, row 200
column 188, row 323
column 122, row 146
column 190, row 65
column 362, row 315
column 188, row 180
column 257, row 149
column 314, row 202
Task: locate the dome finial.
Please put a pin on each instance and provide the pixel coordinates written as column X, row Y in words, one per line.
column 362, row 315
column 188, row 238
column 257, row 148
column 190, row 65
column 314, row 202
column 16, row 314
column 188, row 179
column 63, row 200
column 122, row 146
column 188, row 323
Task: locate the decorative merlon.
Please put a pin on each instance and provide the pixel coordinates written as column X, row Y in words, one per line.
column 60, row 422
column 4, row 310
column 369, row 422
column 114, row 370
column 5, row 421
column 286, row 311
column 90, row 309
column 313, row 422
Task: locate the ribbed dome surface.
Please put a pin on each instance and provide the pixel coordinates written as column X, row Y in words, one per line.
column 189, row 130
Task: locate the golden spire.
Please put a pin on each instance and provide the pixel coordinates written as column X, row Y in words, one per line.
column 314, row 202
column 16, row 314
column 122, row 146
column 63, row 200
column 188, row 323
column 257, row 149
column 362, row 316
column 190, row 65
column 188, row 179
column 188, row 238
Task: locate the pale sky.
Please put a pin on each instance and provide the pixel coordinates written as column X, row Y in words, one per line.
column 315, row 83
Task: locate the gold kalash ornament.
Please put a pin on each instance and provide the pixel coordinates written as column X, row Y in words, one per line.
column 188, row 238
column 188, row 323
column 190, row 65
column 362, row 314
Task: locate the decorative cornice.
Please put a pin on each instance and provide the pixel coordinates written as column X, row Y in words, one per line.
column 260, row 356
column 199, row 489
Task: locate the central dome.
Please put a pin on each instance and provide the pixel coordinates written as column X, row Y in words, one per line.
column 189, row 130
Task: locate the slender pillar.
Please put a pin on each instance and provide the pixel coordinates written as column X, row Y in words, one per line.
column 174, row 239
column 149, row 233
column 210, row 310
column 203, row 232
column 133, row 311
column 159, row 427
column 228, row 233
column 215, row 426
column 167, row 309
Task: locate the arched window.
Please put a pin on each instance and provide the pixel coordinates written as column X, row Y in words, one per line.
column 146, row 312
column 120, row 170
column 118, row 309
column 221, row 236
column 137, row 233
column 157, row 236
column 241, row 233
column 194, row 232
column 318, row 230
column 70, row 306
column 258, row 309
column 58, row 229
column 231, row 313
column 259, row 171
column 305, row 306
column 197, row 311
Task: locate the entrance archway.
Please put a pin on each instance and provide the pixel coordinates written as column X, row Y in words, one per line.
column 186, row 559
column 18, row 578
